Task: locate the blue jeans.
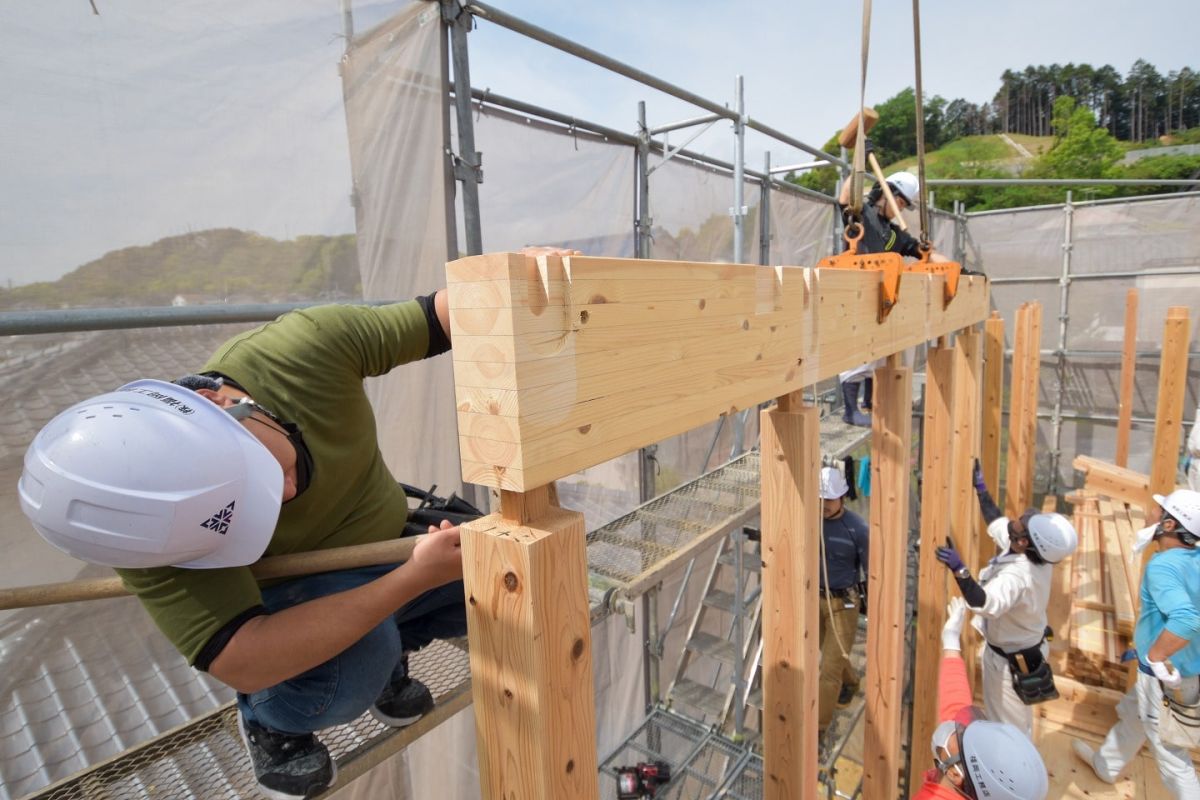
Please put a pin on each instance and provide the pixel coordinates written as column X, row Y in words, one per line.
column 345, row 686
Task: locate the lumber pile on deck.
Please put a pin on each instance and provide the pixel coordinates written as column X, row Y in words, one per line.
column 1104, row 574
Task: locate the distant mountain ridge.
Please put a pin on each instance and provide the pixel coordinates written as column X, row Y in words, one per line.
column 221, row 265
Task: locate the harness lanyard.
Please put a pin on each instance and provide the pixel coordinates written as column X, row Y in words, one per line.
column 860, row 157
column 920, row 127
column 828, row 592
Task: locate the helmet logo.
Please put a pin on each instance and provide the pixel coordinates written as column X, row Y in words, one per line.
column 221, row 520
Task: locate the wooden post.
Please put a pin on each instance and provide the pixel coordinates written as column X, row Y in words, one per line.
column 993, row 397
column 1168, row 417
column 525, row 570
column 1022, row 418
column 936, row 463
column 791, row 523
column 891, row 451
column 964, row 506
column 1128, row 368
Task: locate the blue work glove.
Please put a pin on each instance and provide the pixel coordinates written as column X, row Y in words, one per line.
column 977, row 478
column 949, row 556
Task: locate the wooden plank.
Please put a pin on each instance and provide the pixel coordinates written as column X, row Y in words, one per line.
column 1168, row 416
column 1029, row 407
column 561, row 364
column 1119, row 483
column 1016, row 413
column 936, row 470
column 1114, row 570
column 791, row 523
column 965, row 519
column 891, row 453
column 531, row 656
column 1128, row 368
column 993, row 399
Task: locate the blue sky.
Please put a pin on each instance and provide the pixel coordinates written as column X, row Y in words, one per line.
column 151, row 120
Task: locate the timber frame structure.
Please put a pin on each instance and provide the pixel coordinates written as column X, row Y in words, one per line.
column 561, row 364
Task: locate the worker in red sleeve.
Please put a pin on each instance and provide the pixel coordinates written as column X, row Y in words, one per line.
column 974, row 757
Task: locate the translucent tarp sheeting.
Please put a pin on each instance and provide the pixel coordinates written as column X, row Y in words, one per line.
column 801, row 229
column 690, row 204
column 1135, row 236
column 394, row 95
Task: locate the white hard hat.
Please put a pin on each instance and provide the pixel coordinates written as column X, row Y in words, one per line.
column 1183, row 505
column 1002, row 763
column 905, row 184
column 152, row 475
column 833, row 484
column 1053, row 536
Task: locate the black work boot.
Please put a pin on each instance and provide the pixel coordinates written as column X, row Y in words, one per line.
column 851, row 415
column 287, row 766
column 403, row 701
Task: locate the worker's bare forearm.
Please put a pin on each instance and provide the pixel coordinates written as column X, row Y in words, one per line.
column 272, row 648
column 1166, row 645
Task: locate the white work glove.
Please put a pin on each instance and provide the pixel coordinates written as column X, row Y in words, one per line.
column 956, row 612
column 1170, row 677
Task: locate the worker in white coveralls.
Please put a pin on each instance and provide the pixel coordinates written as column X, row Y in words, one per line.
column 1009, row 601
column 1167, row 638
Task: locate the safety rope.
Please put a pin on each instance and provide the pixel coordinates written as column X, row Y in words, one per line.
column 859, row 177
column 828, row 595
column 921, row 200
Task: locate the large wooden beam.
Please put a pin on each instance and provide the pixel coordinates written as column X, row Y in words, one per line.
column 561, row 364
column 993, row 401
column 891, row 454
column 525, row 570
column 1119, row 483
column 936, row 468
column 791, row 523
column 1168, row 417
column 1022, row 418
column 1128, row 368
column 964, row 506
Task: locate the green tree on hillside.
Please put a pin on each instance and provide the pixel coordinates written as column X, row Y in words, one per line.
column 1081, row 149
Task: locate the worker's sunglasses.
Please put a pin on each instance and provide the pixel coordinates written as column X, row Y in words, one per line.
column 245, row 408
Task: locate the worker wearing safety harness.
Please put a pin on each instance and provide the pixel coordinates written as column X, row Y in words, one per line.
column 973, row 755
column 1167, row 639
column 1009, row 602
column 845, row 549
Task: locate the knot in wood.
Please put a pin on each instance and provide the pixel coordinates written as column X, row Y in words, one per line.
column 510, row 581
column 577, row 650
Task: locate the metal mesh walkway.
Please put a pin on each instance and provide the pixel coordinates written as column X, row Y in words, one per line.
column 204, row 758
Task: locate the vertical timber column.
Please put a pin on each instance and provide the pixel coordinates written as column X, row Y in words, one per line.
column 936, row 468
column 1022, row 420
column 1168, row 416
column 891, row 450
column 993, row 401
column 1128, row 368
column 525, row 570
column 964, row 508
column 791, row 523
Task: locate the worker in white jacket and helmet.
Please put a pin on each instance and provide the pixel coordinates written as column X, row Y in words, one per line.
column 1009, row 601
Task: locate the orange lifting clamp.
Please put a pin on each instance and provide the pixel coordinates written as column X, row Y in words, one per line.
column 890, row 265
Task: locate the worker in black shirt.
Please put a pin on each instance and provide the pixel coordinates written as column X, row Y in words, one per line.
column 880, row 235
column 844, row 547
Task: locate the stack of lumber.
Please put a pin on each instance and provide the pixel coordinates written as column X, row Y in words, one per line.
column 1104, row 574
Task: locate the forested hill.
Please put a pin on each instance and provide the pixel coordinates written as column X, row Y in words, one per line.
column 213, row 266
column 1086, row 118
